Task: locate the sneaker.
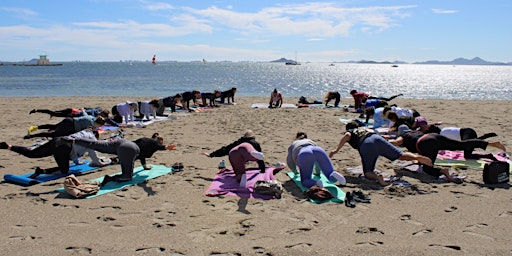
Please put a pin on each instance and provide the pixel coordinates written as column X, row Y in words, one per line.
column 3, row 145
column 339, row 178
column 349, row 200
column 32, row 128
column 359, row 196
column 258, row 155
column 222, row 164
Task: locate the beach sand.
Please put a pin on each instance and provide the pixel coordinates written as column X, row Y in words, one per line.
column 171, row 215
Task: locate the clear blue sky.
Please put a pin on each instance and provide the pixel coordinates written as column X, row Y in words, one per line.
column 256, row 30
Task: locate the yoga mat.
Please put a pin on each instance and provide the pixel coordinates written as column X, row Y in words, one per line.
column 265, row 105
column 339, row 195
column 26, row 181
column 225, row 183
column 139, row 175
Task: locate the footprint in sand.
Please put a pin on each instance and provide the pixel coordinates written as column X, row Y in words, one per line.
column 422, row 232
column 106, row 219
column 299, row 246
column 452, row 247
column 471, row 230
column 373, row 243
column 371, row 230
column 25, row 237
column 65, row 206
column 505, row 214
column 450, row 209
column 298, row 230
column 79, row 250
column 408, row 218
column 150, row 250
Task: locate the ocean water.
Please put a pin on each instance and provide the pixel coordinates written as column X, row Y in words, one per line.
column 312, row 80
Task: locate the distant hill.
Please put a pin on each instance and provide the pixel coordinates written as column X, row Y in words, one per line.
column 462, row 61
column 282, row 60
column 458, row 61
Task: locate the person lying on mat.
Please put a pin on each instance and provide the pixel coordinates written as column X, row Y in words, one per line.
column 429, row 144
column 276, row 99
column 70, row 112
column 127, row 152
column 66, row 127
column 370, row 146
column 304, row 154
column 241, row 151
column 62, row 151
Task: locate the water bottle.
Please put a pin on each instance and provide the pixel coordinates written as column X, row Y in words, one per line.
column 222, row 164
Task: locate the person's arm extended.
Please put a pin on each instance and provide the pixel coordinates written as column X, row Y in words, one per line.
column 343, row 140
column 397, row 142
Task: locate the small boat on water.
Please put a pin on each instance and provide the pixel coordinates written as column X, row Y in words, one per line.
column 394, row 66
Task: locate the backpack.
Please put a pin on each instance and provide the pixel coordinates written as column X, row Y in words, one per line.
column 268, row 187
column 496, row 172
column 318, row 193
column 79, row 189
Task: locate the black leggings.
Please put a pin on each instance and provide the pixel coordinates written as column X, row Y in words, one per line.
column 59, row 148
column 431, row 143
column 68, row 112
column 63, row 128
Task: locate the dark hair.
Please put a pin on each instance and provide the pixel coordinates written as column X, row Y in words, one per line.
column 154, row 103
column 104, row 113
column 386, row 109
column 351, row 125
column 100, row 120
column 353, row 92
column 369, row 111
column 301, row 135
column 392, row 116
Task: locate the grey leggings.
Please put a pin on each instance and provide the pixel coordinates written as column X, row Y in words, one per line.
column 126, row 150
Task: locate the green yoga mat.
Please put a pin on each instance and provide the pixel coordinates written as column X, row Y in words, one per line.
column 473, row 164
column 139, row 175
column 339, row 195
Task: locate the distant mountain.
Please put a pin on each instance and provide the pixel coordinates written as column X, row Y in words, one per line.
column 458, row 61
column 282, row 60
column 462, row 61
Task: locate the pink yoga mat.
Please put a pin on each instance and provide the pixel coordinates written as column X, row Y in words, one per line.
column 225, row 183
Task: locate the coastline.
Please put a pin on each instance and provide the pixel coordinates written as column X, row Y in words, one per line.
column 171, row 214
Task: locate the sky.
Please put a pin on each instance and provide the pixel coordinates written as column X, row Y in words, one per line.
column 256, row 30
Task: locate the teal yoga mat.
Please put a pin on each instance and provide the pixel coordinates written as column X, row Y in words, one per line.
column 339, row 195
column 139, row 175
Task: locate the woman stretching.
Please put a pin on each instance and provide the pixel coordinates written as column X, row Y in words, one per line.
column 370, row 147
column 304, row 154
column 429, row 144
column 127, row 151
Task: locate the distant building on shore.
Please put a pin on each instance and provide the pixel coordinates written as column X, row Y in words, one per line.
column 42, row 61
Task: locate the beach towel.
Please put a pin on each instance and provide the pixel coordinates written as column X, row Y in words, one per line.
column 346, row 120
column 339, row 195
column 139, row 175
column 265, row 105
column 225, row 183
column 456, row 159
column 25, row 179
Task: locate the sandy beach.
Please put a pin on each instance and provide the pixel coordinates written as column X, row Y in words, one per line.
column 171, row 215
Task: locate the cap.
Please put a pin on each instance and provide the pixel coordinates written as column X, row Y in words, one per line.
column 420, row 121
column 249, row 134
column 402, row 129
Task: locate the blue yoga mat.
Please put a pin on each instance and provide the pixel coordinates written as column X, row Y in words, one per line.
column 339, row 195
column 26, row 181
column 139, row 175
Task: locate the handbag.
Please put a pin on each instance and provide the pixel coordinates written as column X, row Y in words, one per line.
column 496, row 172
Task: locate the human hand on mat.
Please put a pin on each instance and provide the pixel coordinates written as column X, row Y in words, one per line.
column 206, row 154
column 170, row 147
